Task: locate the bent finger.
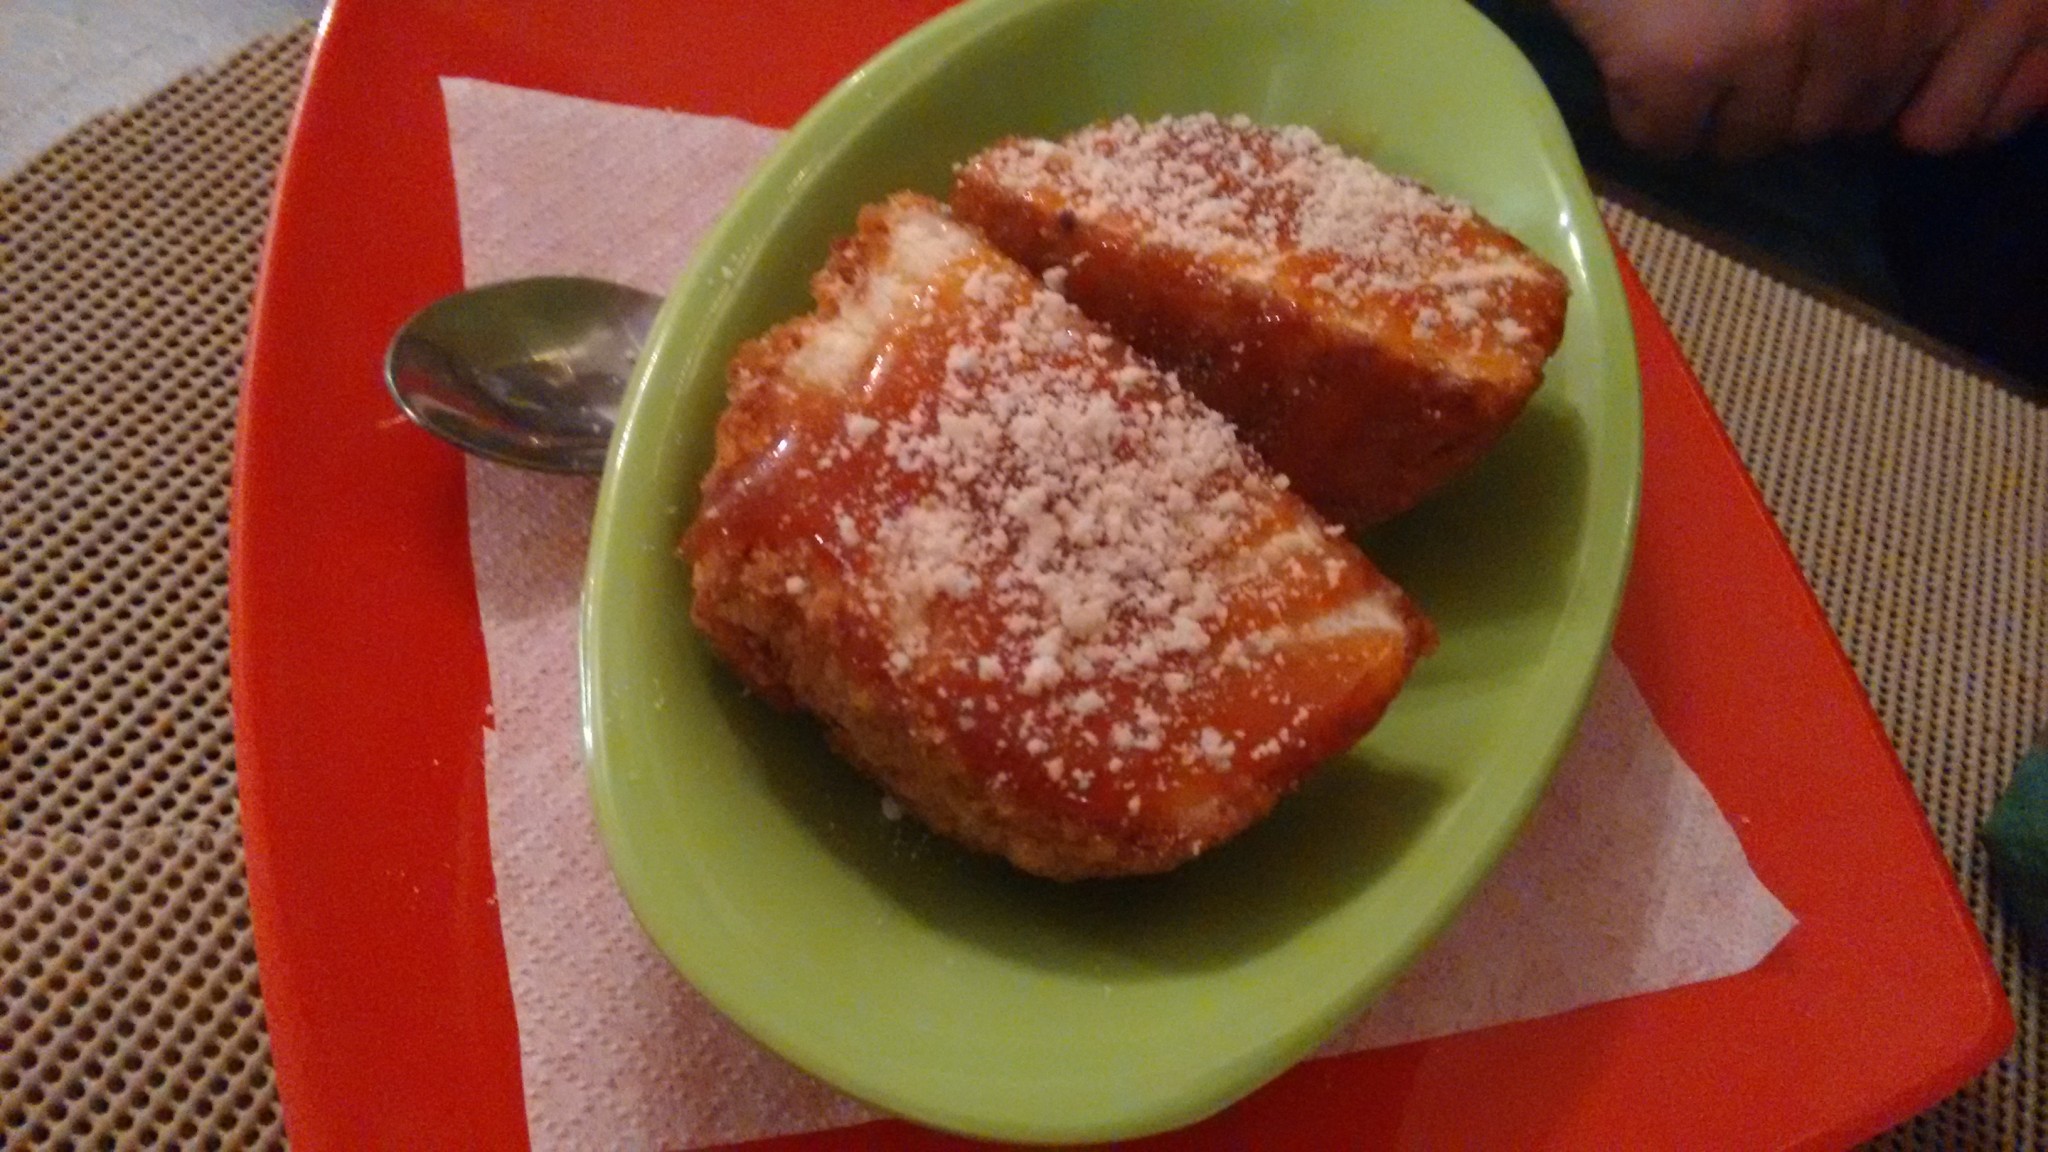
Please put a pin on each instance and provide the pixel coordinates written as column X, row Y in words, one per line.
column 1950, row 108
column 1664, row 115
column 2024, row 96
column 1848, row 57
column 1920, row 31
column 1756, row 115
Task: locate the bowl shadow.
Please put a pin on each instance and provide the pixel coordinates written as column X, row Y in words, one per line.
column 1347, row 825
column 1526, row 499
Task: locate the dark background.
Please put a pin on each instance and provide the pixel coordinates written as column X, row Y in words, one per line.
column 1954, row 245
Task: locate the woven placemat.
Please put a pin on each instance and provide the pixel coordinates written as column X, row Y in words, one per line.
column 1914, row 493
column 129, row 1010
column 1915, row 496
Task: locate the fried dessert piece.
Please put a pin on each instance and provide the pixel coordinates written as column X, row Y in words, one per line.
column 1369, row 337
column 1033, row 587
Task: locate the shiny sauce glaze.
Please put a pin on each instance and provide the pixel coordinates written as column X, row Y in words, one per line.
column 1071, row 576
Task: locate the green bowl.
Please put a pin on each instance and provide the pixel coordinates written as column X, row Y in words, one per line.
column 947, row 988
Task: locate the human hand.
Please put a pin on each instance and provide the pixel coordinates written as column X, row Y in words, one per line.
column 1990, row 79
column 1743, row 77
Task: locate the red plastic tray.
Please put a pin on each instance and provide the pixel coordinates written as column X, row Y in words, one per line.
column 360, row 691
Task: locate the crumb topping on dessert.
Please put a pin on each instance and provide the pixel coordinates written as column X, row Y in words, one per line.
column 1283, row 206
column 1111, row 532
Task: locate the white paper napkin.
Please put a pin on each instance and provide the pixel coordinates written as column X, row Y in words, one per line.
column 1627, row 880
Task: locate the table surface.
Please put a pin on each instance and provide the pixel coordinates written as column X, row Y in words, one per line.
column 1914, row 494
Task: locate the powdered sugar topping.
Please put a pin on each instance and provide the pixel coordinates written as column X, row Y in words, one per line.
column 1095, row 527
column 1066, row 558
column 1276, row 204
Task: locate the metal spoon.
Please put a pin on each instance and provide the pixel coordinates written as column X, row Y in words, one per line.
column 525, row 372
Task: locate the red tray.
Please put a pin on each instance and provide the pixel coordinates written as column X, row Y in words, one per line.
column 360, row 691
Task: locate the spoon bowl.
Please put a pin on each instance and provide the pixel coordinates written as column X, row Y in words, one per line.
column 525, row 372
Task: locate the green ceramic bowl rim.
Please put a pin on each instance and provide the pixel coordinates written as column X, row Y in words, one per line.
column 738, row 241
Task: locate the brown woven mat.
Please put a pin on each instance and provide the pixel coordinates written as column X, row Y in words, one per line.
column 129, row 1012
column 1915, row 495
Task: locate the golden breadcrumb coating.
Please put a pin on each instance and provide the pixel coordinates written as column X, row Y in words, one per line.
column 1368, row 337
column 1036, row 589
